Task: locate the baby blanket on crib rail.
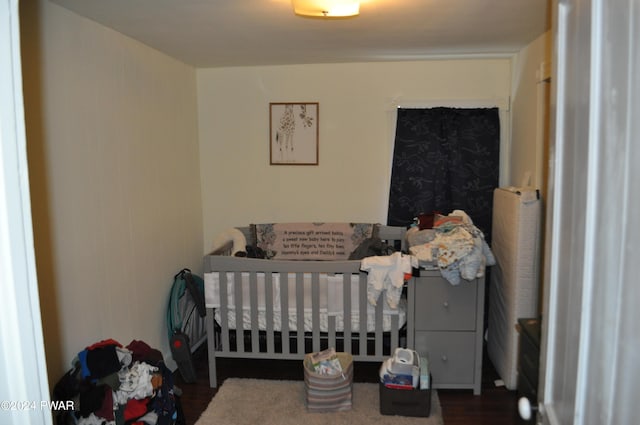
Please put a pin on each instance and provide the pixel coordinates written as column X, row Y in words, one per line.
column 311, row 241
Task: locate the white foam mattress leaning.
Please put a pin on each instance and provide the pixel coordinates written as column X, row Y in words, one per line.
column 514, row 284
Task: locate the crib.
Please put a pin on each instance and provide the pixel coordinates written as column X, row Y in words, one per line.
column 284, row 309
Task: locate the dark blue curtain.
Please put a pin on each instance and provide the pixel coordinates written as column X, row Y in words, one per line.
column 445, row 159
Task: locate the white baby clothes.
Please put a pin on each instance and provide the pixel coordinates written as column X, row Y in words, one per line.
column 135, row 382
column 92, row 419
column 387, row 273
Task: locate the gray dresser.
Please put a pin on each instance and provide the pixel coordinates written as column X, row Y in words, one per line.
column 445, row 323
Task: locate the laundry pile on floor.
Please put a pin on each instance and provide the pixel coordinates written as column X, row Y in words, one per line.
column 110, row 384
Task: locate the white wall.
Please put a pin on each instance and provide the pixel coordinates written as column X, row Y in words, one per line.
column 528, row 157
column 356, row 107
column 526, row 140
column 113, row 155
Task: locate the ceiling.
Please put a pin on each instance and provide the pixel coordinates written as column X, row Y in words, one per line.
column 217, row 33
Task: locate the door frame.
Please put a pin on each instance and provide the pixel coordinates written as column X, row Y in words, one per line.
column 590, row 347
column 21, row 340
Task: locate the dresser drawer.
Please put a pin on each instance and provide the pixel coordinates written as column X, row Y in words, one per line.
column 442, row 306
column 450, row 354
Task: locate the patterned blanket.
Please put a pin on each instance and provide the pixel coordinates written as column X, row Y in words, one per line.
column 311, row 241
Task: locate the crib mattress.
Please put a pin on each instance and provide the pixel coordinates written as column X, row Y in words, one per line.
column 330, row 302
column 308, row 322
column 513, row 293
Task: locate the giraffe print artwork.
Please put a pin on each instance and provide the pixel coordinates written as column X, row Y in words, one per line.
column 294, row 133
column 284, row 135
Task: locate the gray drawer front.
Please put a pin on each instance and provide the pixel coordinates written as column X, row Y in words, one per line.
column 451, row 355
column 442, row 306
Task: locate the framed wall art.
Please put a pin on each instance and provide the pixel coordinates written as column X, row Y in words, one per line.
column 293, row 131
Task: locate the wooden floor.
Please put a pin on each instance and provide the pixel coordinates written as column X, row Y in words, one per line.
column 495, row 406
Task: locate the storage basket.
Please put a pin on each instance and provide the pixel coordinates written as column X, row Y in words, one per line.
column 414, row 402
column 328, row 393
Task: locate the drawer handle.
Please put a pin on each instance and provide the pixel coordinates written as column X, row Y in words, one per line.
column 445, row 304
column 444, row 358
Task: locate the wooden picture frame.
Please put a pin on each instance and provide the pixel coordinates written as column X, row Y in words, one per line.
column 293, row 133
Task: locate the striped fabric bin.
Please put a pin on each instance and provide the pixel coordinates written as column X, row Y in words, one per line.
column 328, row 393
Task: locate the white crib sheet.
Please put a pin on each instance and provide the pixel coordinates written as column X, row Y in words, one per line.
column 331, row 302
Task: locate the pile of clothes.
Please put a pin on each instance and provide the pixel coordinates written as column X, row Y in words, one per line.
column 454, row 245
column 110, row 384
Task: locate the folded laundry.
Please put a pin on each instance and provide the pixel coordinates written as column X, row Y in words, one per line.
column 457, row 247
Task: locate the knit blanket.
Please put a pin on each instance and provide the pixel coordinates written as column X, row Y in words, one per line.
column 310, row 241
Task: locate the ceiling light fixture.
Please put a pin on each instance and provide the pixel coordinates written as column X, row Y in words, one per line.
column 326, row 8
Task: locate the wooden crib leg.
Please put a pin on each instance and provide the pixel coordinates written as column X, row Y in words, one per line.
column 211, row 349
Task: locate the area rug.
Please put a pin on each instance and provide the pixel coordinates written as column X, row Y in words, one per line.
column 273, row 402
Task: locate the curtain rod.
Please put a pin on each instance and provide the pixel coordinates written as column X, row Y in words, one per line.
column 452, row 103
